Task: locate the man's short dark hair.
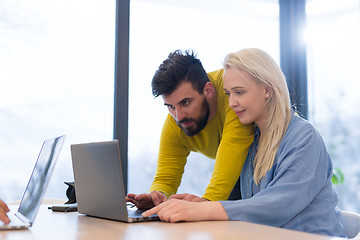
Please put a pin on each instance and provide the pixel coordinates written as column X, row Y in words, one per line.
column 180, row 66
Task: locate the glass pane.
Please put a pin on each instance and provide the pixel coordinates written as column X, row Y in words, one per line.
column 56, row 77
column 210, row 28
column 333, row 35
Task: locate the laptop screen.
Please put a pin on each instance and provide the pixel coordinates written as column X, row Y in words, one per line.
column 40, row 177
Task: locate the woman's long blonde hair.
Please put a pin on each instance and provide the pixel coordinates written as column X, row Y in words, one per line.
column 265, row 71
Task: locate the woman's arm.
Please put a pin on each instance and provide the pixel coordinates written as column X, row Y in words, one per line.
column 176, row 210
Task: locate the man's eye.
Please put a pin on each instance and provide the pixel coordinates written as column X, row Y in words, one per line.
column 239, row 92
column 186, row 103
column 171, row 107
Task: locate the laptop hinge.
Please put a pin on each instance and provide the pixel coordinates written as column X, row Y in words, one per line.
column 23, row 218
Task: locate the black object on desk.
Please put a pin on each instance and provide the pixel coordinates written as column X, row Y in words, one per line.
column 72, row 207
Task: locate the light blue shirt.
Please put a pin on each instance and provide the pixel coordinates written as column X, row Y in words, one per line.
column 296, row 192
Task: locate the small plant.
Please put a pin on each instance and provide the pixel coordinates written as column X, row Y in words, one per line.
column 338, row 176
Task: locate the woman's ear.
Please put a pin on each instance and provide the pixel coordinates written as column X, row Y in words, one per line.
column 268, row 92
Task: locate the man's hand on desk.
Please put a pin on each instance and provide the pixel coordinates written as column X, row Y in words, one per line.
column 146, row 200
column 188, row 197
column 3, row 210
column 175, row 210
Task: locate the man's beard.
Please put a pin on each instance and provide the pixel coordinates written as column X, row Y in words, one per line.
column 198, row 124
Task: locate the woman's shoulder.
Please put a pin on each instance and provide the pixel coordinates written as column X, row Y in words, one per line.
column 301, row 140
column 300, row 126
column 300, row 133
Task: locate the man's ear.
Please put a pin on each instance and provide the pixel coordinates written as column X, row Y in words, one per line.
column 209, row 89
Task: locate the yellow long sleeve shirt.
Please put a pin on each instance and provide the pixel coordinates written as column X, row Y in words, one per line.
column 224, row 139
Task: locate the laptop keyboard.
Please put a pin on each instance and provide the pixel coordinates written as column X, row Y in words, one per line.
column 14, row 221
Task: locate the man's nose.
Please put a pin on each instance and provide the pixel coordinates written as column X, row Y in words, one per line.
column 179, row 114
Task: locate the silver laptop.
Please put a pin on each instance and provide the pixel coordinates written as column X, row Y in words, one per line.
column 36, row 187
column 99, row 182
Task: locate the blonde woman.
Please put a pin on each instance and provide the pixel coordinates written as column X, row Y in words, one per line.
column 286, row 178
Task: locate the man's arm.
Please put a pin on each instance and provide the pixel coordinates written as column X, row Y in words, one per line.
column 169, row 170
column 171, row 160
column 232, row 150
column 229, row 160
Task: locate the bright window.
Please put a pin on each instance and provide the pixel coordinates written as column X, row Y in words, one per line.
column 333, row 35
column 56, row 77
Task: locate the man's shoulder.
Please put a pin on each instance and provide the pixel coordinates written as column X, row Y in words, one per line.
column 170, row 121
column 216, row 79
column 171, row 129
column 216, row 76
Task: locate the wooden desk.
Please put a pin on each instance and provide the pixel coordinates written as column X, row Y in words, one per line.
column 52, row 226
